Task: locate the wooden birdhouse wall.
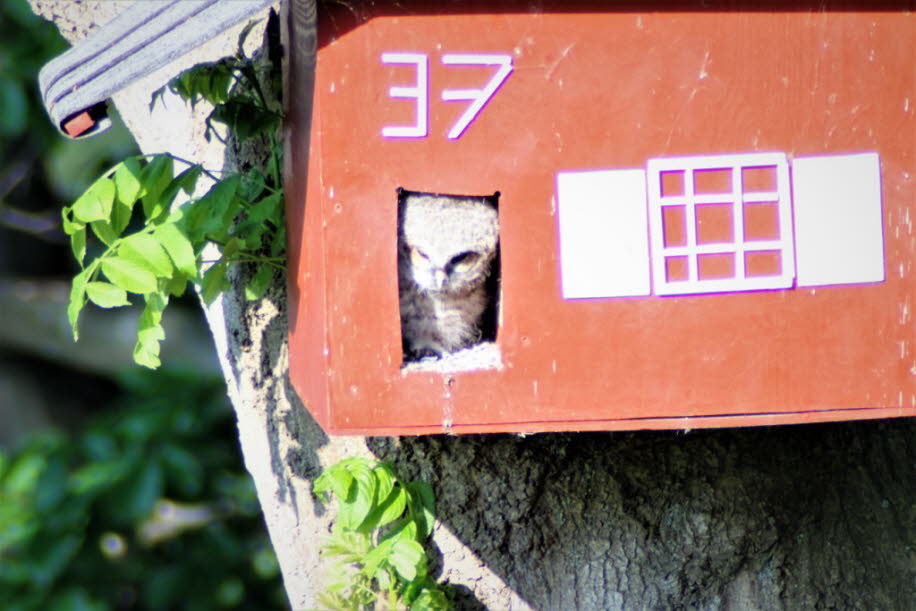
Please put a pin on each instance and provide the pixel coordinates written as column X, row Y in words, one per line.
column 578, row 112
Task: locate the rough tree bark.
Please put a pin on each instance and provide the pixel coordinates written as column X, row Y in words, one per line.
column 800, row 517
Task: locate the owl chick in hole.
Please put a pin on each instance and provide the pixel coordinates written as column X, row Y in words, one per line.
column 447, row 245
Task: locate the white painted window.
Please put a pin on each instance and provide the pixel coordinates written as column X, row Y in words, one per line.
column 838, row 227
column 604, row 244
column 720, row 223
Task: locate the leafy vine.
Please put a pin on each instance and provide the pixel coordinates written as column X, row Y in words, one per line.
column 154, row 250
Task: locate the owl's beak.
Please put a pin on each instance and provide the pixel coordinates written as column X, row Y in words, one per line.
column 439, row 278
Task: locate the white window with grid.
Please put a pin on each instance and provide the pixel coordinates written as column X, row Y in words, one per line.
column 720, row 223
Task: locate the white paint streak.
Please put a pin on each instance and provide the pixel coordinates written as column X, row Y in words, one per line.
column 703, row 72
column 563, row 55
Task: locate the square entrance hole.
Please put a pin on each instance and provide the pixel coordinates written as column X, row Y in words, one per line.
column 448, row 280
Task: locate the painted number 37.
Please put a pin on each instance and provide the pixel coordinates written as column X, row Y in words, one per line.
column 419, row 91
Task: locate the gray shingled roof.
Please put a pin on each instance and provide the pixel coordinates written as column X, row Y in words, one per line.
column 145, row 36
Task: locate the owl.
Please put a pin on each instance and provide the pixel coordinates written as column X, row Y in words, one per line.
column 447, row 245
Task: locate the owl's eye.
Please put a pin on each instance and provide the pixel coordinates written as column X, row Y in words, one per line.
column 465, row 259
column 418, row 256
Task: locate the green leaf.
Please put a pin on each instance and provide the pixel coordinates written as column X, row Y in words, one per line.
column 267, row 208
column 129, row 189
column 335, row 479
column 140, row 491
column 259, row 284
column 422, row 506
column 245, row 120
column 390, row 501
column 96, row 477
column 178, row 247
column 76, row 599
column 96, row 203
column 69, row 225
column 393, row 507
column 384, row 475
column 252, row 229
column 146, row 251
column 187, row 180
column 253, row 185
column 129, row 275
column 146, row 352
column 127, row 177
column 78, row 244
column 265, row 564
column 104, row 231
column 278, row 245
column 183, row 468
column 362, row 497
column 243, row 36
column 98, row 445
column 209, row 81
column 77, row 300
column 106, row 295
column 23, row 475
column 52, row 485
column 176, row 286
column 404, row 530
column 230, row 592
column 17, row 526
column 430, row 598
column 210, row 216
column 150, row 331
column 372, row 562
column 214, row 281
column 154, row 179
column 152, row 313
column 231, row 247
column 406, row 557
column 53, row 557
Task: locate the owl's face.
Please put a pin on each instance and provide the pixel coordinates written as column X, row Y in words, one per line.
column 448, row 243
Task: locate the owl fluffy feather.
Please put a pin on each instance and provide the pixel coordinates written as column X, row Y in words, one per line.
column 446, row 248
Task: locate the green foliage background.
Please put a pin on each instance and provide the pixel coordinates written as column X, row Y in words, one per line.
column 147, row 507
column 145, row 504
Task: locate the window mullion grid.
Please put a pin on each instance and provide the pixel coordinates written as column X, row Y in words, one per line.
column 738, row 220
column 690, row 218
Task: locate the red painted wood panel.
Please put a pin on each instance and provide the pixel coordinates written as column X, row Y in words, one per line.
column 593, row 90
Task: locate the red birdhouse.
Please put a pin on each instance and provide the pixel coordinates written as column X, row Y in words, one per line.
column 703, row 217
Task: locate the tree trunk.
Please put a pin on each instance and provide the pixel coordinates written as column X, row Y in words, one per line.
column 819, row 516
